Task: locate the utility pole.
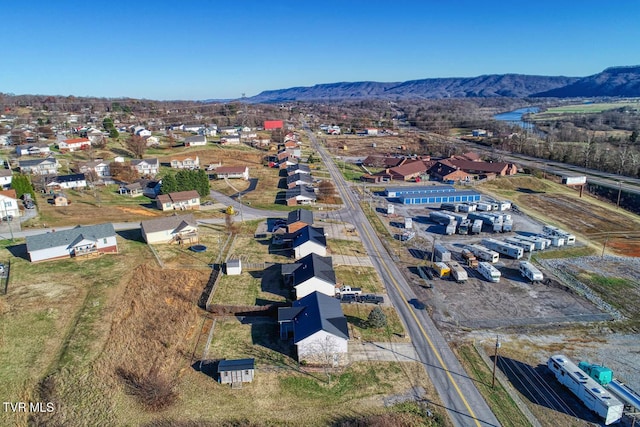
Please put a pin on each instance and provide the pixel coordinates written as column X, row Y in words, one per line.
column 619, row 194
column 495, row 361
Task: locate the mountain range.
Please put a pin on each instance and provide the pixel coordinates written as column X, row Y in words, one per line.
column 614, row 81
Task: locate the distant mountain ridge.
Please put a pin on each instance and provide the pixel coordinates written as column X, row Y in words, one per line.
column 614, row 81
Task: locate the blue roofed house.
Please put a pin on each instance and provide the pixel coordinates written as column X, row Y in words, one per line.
column 319, row 329
column 309, row 240
column 78, row 241
column 313, row 273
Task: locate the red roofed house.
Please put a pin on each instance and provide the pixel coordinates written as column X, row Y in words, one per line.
column 74, row 144
column 273, row 124
column 484, row 168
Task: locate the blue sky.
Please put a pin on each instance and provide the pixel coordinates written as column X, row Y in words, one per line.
column 222, row 49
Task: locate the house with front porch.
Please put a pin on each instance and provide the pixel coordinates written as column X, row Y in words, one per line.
column 146, row 167
column 232, row 172
column 74, row 144
column 75, row 242
column 178, row 201
column 44, row 166
column 185, row 162
column 171, row 229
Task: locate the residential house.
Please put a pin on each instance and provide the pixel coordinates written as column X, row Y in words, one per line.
column 170, row 229
column 298, row 168
column 60, row 199
column 146, row 167
column 151, row 188
column 195, row 141
column 236, row 372
column 193, row 128
column 230, row 140
column 44, row 166
column 319, row 328
column 74, row 144
column 185, row 162
column 6, row 175
column 98, row 168
column 309, row 240
column 300, row 195
column 273, row 124
column 33, row 150
column 313, row 273
column 134, row 189
column 236, row 172
column 299, row 179
column 141, row 131
column 77, row 180
column 228, row 130
column 9, row 204
column 78, row 241
column 152, row 141
column 289, row 161
column 181, row 200
column 298, row 219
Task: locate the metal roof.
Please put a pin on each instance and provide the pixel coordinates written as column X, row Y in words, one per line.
column 314, row 265
column 309, row 234
column 321, row 313
column 235, row 365
column 300, row 215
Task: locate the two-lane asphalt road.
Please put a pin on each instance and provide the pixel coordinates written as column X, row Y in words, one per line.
column 458, row 393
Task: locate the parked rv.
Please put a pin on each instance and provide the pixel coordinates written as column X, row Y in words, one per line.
column 489, row 272
column 529, row 271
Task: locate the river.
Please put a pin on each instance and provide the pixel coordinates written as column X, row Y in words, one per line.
column 515, row 117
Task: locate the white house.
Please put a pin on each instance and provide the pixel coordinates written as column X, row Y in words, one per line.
column 181, row 200
column 314, row 274
column 77, row 180
column 309, row 240
column 232, row 172
column 74, row 144
column 230, row 140
column 9, row 204
column 146, row 167
column 33, row 149
column 170, row 229
column 5, row 178
column 319, row 328
column 98, row 167
column 78, row 241
column 185, row 162
column 44, row 166
column 192, row 128
column 195, row 141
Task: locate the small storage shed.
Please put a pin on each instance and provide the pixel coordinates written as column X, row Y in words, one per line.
column 236, row 371
column 234, row 267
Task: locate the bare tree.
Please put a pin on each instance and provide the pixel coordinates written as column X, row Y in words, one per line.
column 137, row 145
column 324, row 351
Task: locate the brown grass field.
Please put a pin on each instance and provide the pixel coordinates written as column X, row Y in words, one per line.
column 590, row 219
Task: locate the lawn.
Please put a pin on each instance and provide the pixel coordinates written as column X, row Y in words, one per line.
column 53, row 317
column 584, row 108
column 360, row 277
column 357, row 315
column 346, row 247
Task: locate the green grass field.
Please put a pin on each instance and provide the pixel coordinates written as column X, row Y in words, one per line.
column 585, row 108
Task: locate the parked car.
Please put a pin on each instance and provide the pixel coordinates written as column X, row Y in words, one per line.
column 7, row 218
column 348, row 299
column 372, row 299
